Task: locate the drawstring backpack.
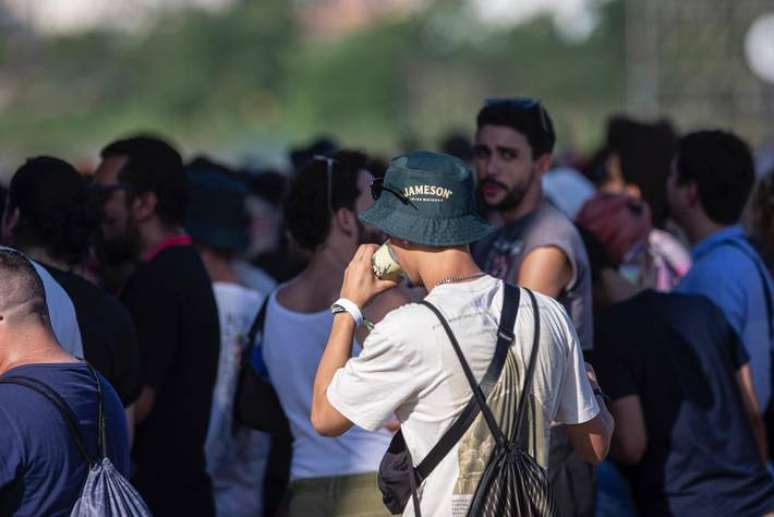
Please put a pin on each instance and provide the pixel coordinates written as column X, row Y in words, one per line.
column 513, row 484
column 106, row 492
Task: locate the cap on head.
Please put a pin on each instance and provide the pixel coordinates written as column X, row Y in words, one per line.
column 428, row 198
column 216, row 214
column 525, row 115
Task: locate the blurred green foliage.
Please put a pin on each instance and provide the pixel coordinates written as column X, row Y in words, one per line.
column 246, row 78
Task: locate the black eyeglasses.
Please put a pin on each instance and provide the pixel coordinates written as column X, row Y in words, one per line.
column 12, row 252
column 378, row 186
column 102, row 192
column 522, row 103
column 329, row 177
column 110, row 187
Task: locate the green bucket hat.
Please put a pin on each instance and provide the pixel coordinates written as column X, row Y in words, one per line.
column 427, row 198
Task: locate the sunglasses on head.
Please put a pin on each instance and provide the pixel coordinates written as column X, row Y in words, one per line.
column 329, row 177
column 378, row 186
column 520, row 103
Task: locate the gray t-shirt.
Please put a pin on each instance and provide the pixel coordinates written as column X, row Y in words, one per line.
column 502, row 253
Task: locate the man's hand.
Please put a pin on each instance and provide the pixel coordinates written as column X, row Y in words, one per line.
column 592, row 376
column 360, row 284
column 591, row 440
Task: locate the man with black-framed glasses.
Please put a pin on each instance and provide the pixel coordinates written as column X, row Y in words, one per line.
column 169, row 296
column 537, row 247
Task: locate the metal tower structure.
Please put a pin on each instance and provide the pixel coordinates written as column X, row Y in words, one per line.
column 686, row 61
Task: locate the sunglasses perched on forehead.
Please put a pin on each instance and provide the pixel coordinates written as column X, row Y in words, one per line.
column 378, row 186
column 520, row 103
column 329, row 177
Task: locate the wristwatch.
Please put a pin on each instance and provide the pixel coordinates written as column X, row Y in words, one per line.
column 338, row 307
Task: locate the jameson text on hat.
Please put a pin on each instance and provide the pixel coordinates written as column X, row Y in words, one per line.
column 428, row 198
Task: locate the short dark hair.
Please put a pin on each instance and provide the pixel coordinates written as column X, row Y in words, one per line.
column 533, row 122
column 645, row 151
column 21, row 289
column 55, row 208
column 307, row 209
column 153, row 165
column 268, row 184
column 722, row 166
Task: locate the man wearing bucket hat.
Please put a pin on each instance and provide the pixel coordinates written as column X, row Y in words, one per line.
column 426, row 205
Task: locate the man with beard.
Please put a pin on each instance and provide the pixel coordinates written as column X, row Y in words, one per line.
column 537, row 247
column 328, row 476
column 170, row 298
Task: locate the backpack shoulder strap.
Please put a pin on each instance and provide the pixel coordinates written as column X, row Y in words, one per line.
column 511, row 300
column 101, row 421
column 257, row 325
column 526, row 391
column 58, row 402
column 755, row 258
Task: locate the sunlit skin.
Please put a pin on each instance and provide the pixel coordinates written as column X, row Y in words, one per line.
column 508, row 173
column 510, row 179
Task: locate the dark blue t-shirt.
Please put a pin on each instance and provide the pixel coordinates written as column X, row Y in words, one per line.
column 680, row 356
column 41, row 470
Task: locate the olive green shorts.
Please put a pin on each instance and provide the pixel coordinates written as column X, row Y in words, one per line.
column 341, row 496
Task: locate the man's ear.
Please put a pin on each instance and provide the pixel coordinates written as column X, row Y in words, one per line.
column 543, row 163
column 9, row 223
column 11, row 219
column 345, row 220
column 143, row 206
column 691, row 192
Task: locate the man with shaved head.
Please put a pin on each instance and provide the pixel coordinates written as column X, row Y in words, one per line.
column 42, row 471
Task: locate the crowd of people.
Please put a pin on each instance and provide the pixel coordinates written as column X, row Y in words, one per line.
column 251, row 363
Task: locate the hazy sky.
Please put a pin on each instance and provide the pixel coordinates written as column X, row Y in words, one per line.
column 73, row 15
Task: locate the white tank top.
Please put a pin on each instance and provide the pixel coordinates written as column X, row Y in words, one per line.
column 293, row 343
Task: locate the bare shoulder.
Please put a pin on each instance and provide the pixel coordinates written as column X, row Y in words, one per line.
column 546, row 269
column 545, row 258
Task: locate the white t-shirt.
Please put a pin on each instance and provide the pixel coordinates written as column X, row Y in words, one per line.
column 61, row 313
column 236, row 459
column 293, row 344
column 408, row 366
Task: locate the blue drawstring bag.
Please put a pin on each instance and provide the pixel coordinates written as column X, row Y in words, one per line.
column 106, row 492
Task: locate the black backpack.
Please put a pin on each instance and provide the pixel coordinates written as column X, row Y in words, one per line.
column 105, row 491
column 513, row 483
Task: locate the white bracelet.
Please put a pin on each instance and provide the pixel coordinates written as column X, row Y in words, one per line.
column 351, row 307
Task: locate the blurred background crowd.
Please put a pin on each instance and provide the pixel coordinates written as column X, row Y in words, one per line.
column 256, row 96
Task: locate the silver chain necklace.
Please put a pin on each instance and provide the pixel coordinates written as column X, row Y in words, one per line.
column 454, row 279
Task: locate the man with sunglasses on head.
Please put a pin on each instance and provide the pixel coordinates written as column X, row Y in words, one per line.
column 537, row 247
column 169, row 296
column 328, row 477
